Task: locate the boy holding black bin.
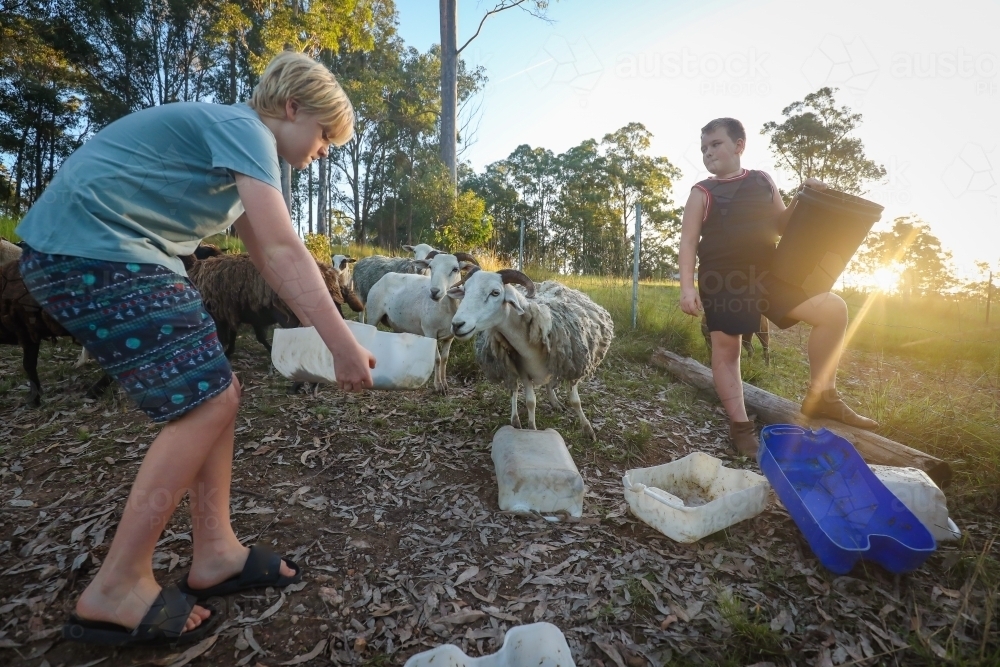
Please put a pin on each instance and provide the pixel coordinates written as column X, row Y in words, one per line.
column 731, row 222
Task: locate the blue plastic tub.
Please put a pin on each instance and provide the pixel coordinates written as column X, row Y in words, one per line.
column 845, row 512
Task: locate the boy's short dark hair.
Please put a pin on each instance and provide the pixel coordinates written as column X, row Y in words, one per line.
column 734, row 128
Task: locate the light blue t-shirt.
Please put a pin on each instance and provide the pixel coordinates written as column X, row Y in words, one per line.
column 151, row 185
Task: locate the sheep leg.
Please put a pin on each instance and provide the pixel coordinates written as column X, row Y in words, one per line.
column 553, row 399
column 764, row 336
column 261, row 333
column 530, row 402
column 574, row 401
column 29, row 361
column 747, row 342
column 515, row 419
column 441, row 376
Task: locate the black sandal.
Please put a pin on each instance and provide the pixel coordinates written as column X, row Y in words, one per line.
column 262, row 569
column 162, row 625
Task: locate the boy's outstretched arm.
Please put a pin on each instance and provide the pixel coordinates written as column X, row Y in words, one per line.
column 694, row 211
column 266, row 231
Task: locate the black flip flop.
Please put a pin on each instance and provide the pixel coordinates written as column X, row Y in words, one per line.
column 262, row 569
column 162, row 625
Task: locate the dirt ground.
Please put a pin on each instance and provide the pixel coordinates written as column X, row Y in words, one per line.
column 389, row 502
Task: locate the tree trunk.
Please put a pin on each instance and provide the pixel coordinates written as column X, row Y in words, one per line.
column 773, row 409
column 322, row 207
column 449, row 86
column 286, row 183
column 309, row 175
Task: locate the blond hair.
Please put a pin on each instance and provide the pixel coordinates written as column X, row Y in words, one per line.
column 295, row 76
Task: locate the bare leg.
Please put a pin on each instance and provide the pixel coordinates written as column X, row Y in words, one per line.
column 827, row 313
column 530, row 402
column 574, row 402
column 726, row 374
column 218, row 554
column 124, row 587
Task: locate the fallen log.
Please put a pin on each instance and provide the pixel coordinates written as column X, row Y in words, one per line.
column 773, row 409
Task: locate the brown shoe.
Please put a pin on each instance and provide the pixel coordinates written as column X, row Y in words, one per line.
column 828, row 404
column 744, row 438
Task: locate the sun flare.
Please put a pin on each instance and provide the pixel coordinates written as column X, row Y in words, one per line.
column 887, row 278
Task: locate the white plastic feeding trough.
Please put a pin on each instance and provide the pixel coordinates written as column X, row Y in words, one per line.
column 536, row 472
column 534, row 645
column 920, row 495
column 402, row 361
column 694, row 496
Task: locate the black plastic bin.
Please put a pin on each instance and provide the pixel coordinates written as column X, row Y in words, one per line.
column 826, row 228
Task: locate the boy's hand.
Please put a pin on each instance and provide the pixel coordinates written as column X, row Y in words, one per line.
column 691, row 302
column 352, row 364
column 815, row 183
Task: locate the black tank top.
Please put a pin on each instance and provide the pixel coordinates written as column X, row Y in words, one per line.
column 738, row 228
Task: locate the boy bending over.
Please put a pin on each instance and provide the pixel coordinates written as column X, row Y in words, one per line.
column 103, row 259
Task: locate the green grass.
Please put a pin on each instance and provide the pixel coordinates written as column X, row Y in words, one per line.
column 754, row 638
column 7, row 225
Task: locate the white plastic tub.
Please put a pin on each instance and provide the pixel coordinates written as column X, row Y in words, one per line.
column 402, row 361
column 536, row 472
column 534, row 645
column 920, row 495
column 694, row 496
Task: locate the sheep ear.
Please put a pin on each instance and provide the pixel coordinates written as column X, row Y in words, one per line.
column 408, row 248
column 421, row 264
column 351, row 260
column 456, row 292
column 465, row 266
column 513, row 298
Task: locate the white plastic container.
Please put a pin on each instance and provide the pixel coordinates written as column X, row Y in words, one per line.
column 920, row 495
column 694, row 496
column 402, row 361
column 534, row 645
column 536, row 472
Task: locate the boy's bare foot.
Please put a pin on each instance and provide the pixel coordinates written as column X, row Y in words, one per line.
column 211, row 566
column 828, row 404
column 126, row 603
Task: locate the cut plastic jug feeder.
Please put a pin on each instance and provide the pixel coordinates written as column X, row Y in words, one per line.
column 402, row 361
column 694, row 496
column 919, row 494
column 535, row 472
column 534, row 645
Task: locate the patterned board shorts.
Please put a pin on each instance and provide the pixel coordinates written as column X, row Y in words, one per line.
column 144, row 324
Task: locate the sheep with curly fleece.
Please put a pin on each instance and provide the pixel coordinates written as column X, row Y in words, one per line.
column 235, row 293
column 538, row 336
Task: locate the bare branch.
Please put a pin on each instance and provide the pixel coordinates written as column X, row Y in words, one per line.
column 501, row 6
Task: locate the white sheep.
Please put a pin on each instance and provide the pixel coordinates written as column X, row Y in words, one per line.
column 421, row 250
column 419, row 304
column 537, row 337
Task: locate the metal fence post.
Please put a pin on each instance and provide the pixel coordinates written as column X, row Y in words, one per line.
column 635, row 265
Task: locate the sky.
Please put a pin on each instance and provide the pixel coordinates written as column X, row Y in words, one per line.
column 924, row 76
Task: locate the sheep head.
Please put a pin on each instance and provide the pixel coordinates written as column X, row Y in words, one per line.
column 487, row 299
column 342, row 265
column 446, row 271
column 420, row 251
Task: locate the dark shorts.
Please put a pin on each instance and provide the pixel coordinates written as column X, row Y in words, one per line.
column 144, row 324
column 735, row 300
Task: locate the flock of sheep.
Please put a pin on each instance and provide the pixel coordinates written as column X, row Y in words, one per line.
column 533, row 335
